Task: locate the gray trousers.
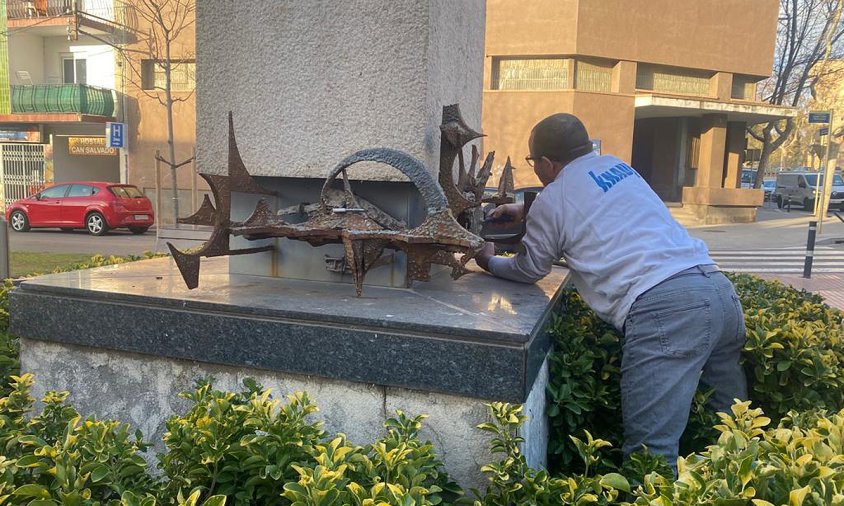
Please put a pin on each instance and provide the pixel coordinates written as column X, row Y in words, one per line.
column 689, row 329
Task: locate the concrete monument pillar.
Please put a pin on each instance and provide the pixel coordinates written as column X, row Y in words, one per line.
column 312, row 82
column 713, row 141
column 736, row 144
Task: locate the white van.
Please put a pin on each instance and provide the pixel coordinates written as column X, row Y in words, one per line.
column 800, row 188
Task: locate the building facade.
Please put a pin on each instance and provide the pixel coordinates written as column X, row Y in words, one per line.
column 828, row 96
column 141, row 73
column 667, row 86
column 57, row 91
column 67, row 67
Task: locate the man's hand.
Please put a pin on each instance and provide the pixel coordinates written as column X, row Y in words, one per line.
column 483, row 256
column 515, row 210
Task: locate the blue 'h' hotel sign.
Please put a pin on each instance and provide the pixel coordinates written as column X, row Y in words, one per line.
column 115, row 135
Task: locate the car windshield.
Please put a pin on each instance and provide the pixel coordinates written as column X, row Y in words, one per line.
column 768, row 184
column 812, row 180
column 748, row 176
column 126, row 192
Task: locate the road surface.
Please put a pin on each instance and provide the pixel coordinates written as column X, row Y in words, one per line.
column 116, row 242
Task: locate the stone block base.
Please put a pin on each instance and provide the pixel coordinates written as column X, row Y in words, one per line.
column 716, row 215
column 143, row 391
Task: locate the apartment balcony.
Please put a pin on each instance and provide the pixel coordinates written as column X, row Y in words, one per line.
column 60, row 103
column 19, row 9
column 52, row 17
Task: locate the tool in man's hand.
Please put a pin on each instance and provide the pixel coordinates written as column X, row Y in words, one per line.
column 511, row 238
column 504, row 218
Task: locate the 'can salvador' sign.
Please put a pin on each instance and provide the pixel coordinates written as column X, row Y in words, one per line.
column 89, row 146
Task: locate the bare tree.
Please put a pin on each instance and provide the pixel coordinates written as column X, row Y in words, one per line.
column 809, row 33
column 151, row 32
column 167, row 20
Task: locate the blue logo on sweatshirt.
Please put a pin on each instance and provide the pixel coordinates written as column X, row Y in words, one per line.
column 607, row 179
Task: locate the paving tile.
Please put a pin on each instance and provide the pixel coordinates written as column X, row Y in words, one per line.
column 828, row 286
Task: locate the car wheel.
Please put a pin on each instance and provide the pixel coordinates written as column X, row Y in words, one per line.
column 808, row 203
column 779, row 201
column 138, row 230
column 96, row 224
column 19, row 221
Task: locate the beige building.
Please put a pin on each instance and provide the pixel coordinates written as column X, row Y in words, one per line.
column 829, row 96
column 667, row 86
column 142, row 78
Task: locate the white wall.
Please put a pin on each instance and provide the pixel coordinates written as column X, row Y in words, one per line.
column 26, row 52
column 100, row 8
column 100, row 60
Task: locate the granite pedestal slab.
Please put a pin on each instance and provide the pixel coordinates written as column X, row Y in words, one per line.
column 126, row 339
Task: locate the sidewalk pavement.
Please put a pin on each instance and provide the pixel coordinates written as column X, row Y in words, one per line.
column 776, row 228
column 828, row 286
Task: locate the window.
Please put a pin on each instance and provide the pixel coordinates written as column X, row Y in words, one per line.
column 593, row 76
column 182, row 75
column 74, row 71
column 81, row 190
column 673, row 80
column 812, row 179
column 126, row 192
column 55, row 192
column 744, row 88
column 530, row 74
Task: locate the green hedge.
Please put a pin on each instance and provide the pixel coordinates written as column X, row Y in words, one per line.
column 793, row 358
column 249, row 448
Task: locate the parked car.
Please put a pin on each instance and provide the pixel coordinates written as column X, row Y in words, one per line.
column 748, row 178
column 801, row 189
column 95, row 206
column 769, row 185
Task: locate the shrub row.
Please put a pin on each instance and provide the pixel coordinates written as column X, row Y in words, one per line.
column 249, row 448
column 793, row 359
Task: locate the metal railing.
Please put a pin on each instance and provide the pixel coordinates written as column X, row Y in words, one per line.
column 17, row 9
column 38, row 8
column 62, row 98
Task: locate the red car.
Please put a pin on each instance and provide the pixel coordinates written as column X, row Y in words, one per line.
column 92, row 205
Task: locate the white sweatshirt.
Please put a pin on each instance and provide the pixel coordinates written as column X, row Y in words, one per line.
column 614, row 232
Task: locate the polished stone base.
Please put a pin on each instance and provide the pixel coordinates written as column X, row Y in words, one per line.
column 125, row 339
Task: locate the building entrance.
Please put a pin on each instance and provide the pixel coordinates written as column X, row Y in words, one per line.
column 22, row 170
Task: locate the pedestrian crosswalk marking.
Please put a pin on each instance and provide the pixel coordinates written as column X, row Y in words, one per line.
column 780, row 260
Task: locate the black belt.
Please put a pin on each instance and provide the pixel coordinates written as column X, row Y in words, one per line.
column 698, row 269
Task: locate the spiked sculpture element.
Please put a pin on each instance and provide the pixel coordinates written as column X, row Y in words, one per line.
column 467, row 195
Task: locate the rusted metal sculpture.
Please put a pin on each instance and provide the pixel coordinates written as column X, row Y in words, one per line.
column 364, row 230
column 466, row 196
